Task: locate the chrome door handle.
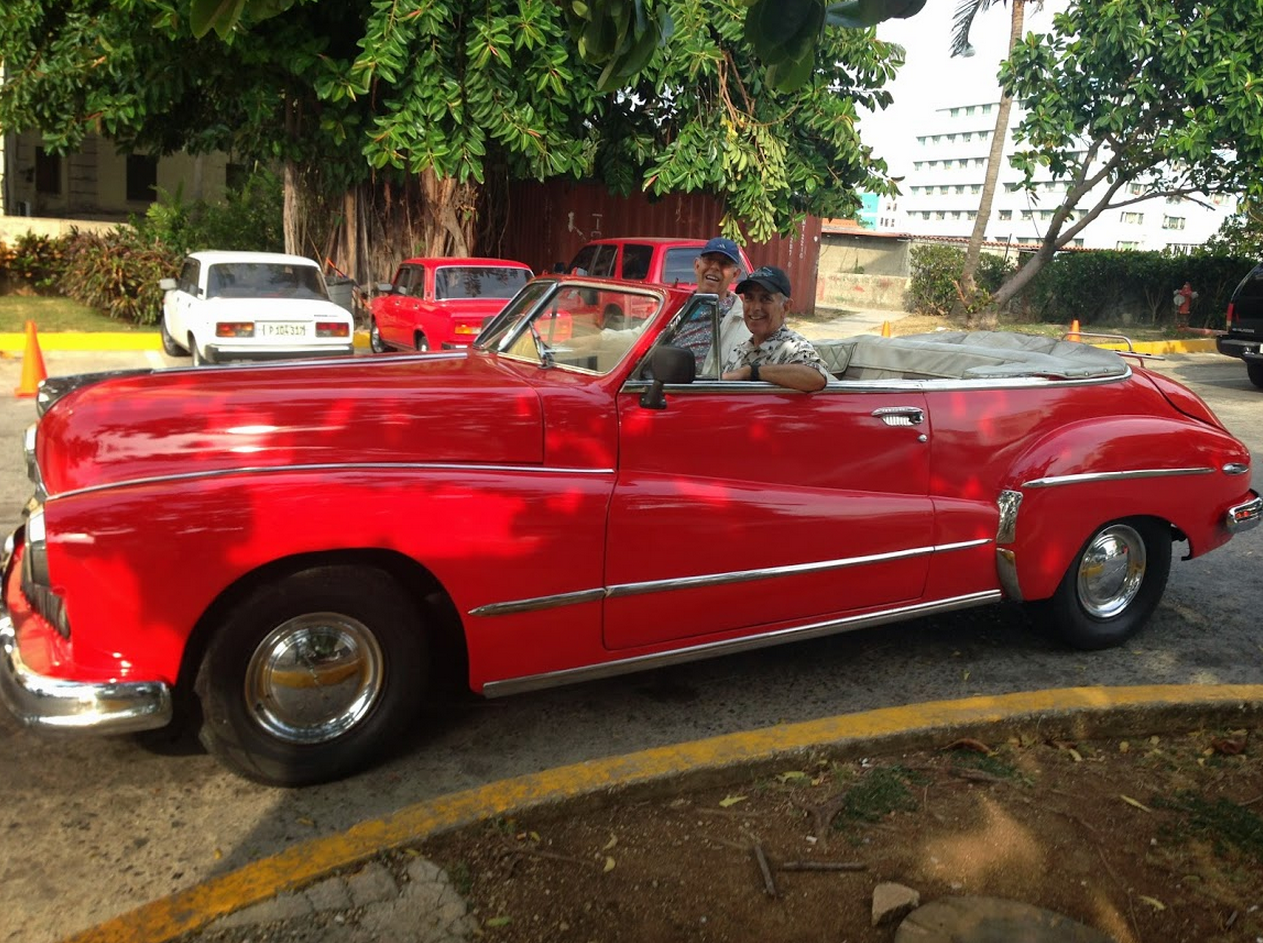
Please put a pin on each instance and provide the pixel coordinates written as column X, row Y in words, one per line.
column 900, row 415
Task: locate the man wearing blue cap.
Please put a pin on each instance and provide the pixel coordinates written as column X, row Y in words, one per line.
column 716, row 266
column 773, row 353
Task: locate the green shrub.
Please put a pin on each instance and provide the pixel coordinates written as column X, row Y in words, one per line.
column 249, row 219
column 33, row 261
column 118, row 272
column 935, row 283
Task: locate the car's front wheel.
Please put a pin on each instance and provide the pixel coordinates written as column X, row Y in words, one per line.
column 310, row 679
column 1255, row 372
column 1113, row 584
column 169, row 345
column 375, row 342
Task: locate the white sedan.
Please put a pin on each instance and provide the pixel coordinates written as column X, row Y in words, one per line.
column 251, row 306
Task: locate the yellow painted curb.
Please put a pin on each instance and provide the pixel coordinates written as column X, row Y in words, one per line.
column 1201, row 345
column 15, row 344
column 195, row 907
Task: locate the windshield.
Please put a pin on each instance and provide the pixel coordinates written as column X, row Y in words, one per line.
column 264, row 280
column 559, row 324
column 478, row 281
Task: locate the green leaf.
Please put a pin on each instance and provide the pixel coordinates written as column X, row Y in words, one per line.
column 220, row 15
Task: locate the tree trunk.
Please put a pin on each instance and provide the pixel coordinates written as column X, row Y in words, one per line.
column 965, row 296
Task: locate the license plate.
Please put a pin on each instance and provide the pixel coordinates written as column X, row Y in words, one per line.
column 281, row 330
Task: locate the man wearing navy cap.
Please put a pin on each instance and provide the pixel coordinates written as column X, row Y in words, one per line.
column 773, row 353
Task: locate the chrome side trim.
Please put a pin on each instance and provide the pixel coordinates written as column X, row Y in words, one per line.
column 1008, row 502
column 709, row 579
column 835, row 385
column 333, row 466
column 1244, row 516
column 732, row 646
column 57, row 704
column 1006, row 570
column 1054, row 481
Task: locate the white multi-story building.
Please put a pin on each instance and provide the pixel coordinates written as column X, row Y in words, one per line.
column 946, row 167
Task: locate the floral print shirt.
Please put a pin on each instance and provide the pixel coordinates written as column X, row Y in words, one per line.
column 781, row 346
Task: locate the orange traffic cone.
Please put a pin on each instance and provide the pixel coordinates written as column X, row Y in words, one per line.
column 885, row 328
column 1074, row 330
column 32, row 364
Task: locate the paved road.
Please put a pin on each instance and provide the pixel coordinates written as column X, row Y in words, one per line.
column 90, row 828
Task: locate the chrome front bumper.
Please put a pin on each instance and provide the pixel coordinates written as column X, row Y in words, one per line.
column 58, row 704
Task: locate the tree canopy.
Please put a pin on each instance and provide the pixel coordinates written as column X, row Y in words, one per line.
column 1130, row 99
column 356, row 89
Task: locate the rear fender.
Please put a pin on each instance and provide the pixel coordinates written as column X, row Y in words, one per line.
column 1087, row 474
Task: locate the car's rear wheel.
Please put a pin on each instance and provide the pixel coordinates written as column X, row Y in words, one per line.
column 421, row 342
column 1113, row 585
column 169, row 345
column 375, row 342
column 1255, row 372
column 311, row 679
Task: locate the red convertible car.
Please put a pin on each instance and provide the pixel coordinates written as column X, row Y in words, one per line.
column 438, row 303
column 305, row 546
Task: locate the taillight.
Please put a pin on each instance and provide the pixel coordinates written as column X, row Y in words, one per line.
column 467, row 329
column 336, row 329
column 234, row 329
column 1232, row 315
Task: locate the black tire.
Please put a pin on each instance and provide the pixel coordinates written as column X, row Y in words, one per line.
column 612, row 318
column 421, row 342
column 375, row 342
column 350, row 632
column 1254, row 371
column 1112, row 586
column 169, row 345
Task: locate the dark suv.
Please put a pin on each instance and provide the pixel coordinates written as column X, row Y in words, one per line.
column 1245, row 325
column 668, row 260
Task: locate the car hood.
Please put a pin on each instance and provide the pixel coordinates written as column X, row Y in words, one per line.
column 272, row 309
column 396, row 410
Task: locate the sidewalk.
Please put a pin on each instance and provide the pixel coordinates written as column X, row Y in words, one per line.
column 333, row 889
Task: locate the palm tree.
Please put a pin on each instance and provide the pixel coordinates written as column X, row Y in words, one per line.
column 966, row 10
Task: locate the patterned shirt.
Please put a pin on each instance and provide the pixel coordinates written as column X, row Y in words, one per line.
column 781, row 346
column 696, row 335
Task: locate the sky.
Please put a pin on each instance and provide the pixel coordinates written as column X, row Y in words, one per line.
column 931, row 79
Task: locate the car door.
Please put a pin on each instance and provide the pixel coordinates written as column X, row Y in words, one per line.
column 747, row 508
column 393, row 321
column 175, row 304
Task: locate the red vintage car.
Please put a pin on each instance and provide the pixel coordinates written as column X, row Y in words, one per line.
column 439, row 303
column 305, row 547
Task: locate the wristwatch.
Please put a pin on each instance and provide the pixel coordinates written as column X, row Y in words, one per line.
column 754, row 371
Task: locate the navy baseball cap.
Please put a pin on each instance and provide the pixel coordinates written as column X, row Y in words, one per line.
column 724, row 247
column 768, row 277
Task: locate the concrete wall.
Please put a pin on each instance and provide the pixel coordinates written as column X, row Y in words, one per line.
column 859, row 270
column 14, row 227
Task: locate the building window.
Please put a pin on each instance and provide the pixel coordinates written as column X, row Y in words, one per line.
column 47, row 172
column 1134, row 218
column 1172, row 222
column 236, row 176
column 1127, row 244
column 142, row 177
column 1135, row 189
column 1005, row 215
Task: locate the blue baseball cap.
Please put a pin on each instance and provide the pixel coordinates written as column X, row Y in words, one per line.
column 768, row 277
column 724, row 247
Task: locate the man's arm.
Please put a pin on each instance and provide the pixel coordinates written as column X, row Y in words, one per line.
column 795, row 376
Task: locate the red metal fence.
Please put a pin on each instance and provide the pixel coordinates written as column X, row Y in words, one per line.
column 549, row 222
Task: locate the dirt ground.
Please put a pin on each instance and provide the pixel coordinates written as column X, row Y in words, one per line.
column 1157, row 840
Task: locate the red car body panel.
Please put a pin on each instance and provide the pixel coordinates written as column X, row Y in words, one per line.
column 497, row 480
column 444, row 322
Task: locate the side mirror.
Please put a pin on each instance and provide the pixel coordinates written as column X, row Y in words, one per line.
column 383, row 288
column 166, row 284
column 669, row 365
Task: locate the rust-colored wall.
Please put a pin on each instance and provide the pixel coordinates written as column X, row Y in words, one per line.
column 549, row 222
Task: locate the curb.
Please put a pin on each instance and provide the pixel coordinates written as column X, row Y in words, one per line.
column 1075, row 712
column 14, row 344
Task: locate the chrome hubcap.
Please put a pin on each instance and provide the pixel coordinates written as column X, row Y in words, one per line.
column 1111, row 571
column 314, row 677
